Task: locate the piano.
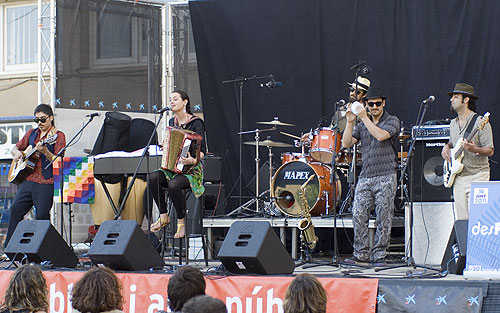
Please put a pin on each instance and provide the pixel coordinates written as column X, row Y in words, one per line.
column 125, row 165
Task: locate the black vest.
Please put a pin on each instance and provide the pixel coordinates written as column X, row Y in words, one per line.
column 47, row 173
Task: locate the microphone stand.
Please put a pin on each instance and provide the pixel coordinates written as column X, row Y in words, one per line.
column 145, row 154
column 333, row 183
column 60, row 154
column 409, row 258
column 241, row 81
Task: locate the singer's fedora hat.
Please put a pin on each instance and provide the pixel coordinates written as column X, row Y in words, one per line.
column 374, row 92
column 464, row 89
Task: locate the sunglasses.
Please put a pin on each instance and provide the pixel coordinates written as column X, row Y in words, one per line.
column 371, row 104
column 42, row 119
column 357, row 91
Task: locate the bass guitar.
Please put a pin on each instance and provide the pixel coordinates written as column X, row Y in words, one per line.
column 21, row 168
column 455, row 166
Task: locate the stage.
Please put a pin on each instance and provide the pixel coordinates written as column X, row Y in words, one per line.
column 350, row 289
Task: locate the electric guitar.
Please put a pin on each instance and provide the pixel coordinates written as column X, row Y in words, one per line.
column 455, row 166
column 21, row 168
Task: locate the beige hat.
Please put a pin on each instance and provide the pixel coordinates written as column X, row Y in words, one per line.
column 361, row 82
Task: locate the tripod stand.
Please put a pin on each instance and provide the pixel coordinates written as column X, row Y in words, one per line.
column 61, row 175
column 241, row 81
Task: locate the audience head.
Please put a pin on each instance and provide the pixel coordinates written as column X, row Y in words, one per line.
column 185, row 283
column 305, row 294
column 205, row 304
column 99, row 290
column 27, row 290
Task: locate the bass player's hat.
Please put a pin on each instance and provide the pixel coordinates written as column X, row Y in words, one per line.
column 464, row 89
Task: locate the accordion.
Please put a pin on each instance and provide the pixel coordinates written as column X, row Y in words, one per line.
column 177, row 144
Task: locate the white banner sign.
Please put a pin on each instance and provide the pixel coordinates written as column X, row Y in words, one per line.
column 10, row 134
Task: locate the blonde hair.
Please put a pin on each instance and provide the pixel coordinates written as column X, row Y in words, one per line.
column 27, row 290
column 305, row 294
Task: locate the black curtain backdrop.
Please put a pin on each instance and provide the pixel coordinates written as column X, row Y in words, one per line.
column 415, row 49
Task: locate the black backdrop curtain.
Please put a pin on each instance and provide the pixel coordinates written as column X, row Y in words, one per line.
column 415, row 49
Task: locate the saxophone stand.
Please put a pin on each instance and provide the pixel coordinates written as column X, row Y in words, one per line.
column 305, row 254
column 409, row 260
column 257, row 198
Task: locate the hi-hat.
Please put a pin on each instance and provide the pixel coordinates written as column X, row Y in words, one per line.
column 269, row 143
column 276, row 122
column 404, row 135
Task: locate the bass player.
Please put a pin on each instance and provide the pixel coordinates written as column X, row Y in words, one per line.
column 476, row 150
column 37, row 188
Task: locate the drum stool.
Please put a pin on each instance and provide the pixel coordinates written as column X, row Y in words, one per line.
column 196, row 212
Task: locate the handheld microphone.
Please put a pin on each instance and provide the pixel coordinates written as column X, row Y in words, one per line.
column 340, row 104
column 167, row 108
column 93, row 115
column 430, row 99
column 272, row 84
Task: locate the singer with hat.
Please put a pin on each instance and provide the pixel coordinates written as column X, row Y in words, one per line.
column 476, row 151
column 377, row 182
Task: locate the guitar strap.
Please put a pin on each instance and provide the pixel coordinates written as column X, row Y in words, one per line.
column 471, row 125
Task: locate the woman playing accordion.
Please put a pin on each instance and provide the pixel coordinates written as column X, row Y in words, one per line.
column 175, row 182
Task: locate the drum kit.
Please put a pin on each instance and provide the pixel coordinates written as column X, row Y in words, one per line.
column 297, row 168
column 315, row 158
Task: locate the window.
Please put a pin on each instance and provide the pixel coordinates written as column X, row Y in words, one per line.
column 118, row 40
column 20, row 41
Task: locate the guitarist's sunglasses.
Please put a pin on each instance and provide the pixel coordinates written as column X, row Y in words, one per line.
column 42, row 119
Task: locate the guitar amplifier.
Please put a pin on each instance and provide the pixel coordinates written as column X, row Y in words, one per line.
column 428, row 164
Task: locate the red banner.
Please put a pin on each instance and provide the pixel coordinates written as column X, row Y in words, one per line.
column 147, row 293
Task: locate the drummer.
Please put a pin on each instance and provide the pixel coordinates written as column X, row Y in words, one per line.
column 357, row 92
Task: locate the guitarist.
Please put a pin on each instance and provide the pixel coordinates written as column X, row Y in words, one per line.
column 476, row 151
column 38, row 187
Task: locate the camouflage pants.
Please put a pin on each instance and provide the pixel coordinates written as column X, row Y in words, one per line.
column 379, row 192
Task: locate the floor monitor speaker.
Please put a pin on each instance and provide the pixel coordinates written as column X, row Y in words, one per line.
column 39, row 241
column 254, row 248
column 122, row 245
column 454, row 255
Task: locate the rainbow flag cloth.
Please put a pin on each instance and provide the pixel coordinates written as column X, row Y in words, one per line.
column 78, row 184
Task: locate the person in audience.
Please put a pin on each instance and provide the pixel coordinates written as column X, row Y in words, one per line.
column 305, row 294
column 205, row 304
column 186, row 283
column 98, row 291
column 27, row 292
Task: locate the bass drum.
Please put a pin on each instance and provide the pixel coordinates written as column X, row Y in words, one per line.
column 289, row 178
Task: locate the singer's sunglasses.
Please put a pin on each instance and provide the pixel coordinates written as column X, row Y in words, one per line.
column 357, row 90
column 371, row 104
column 42, row 119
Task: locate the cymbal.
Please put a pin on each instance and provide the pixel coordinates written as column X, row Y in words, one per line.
column 404, row 135
column 276, row 122
column 269, row 143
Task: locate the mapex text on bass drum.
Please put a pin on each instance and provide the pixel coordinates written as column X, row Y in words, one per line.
column 286, row 185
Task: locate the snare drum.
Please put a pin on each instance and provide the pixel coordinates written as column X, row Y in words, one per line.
column 294, row 156
column 324, row 145
column 344, row 157
column 289, row 178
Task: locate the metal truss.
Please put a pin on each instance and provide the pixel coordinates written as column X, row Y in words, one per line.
column 46, row 52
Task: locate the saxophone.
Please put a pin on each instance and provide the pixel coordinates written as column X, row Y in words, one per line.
column 305, row 224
